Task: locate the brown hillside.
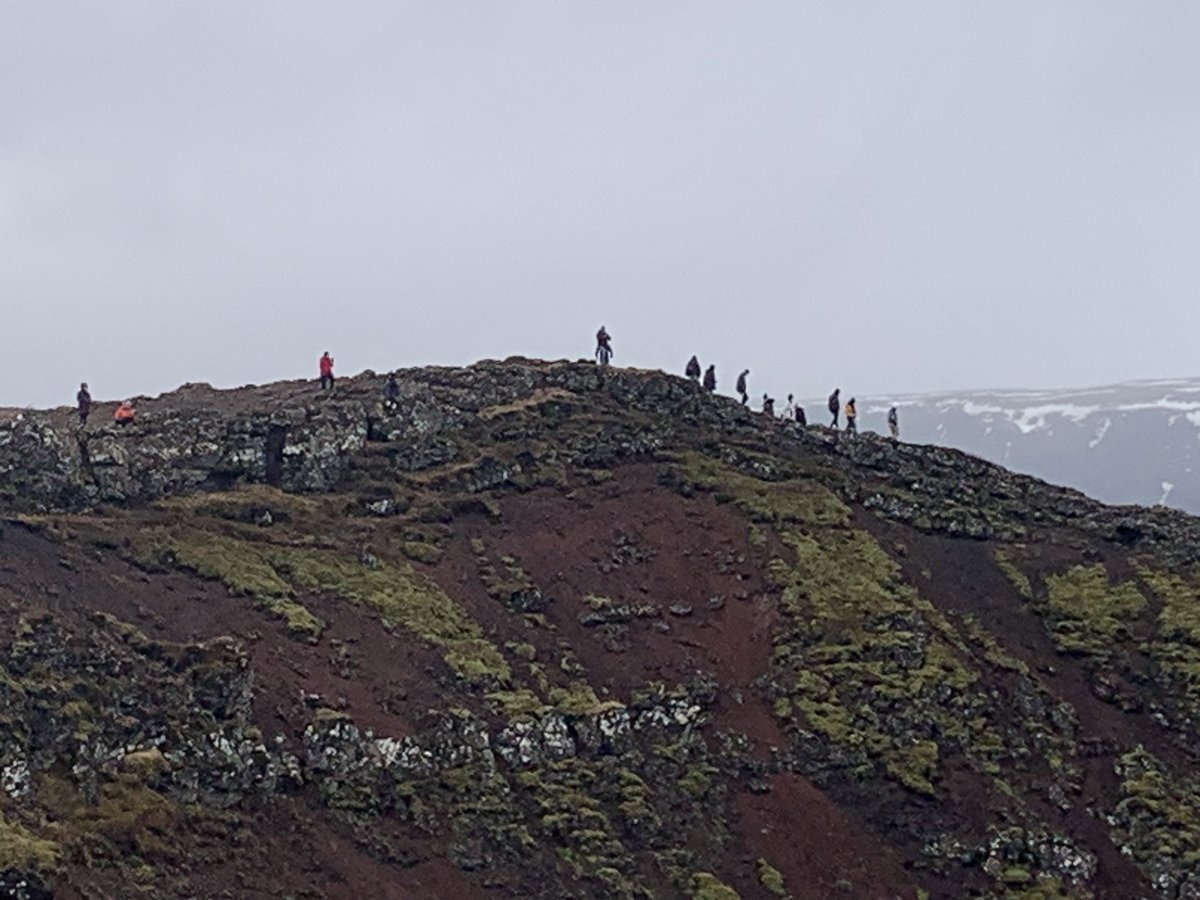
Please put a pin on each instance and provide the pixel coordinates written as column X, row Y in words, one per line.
column 549, row 631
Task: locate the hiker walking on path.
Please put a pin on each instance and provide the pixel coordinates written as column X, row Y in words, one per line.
column 741, row 386
column 768, row 406
column 789, row 411
column 603, row 346
column 325, row 366
column 710, row 379
column 84, row 400
column 835, row 405
column 851, row 417
column 894, row 423
column 693, row 369
column 391, row 392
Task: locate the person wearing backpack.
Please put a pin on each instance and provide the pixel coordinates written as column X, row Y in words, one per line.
column 835, row 405
column 741, row 386
column 801, row 419
column 710, row 379
column 693, row 369
column 768, row 406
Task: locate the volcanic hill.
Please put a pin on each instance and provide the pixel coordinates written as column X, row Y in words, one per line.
column 547, row 630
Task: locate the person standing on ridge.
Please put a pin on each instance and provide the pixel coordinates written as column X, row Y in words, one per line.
column 325, row 365
column 835, row 405
column 84, row 400
column 741, row 386
column 851, row 417
column 710, row 379
column 894, row 423
column 391, row 392
column 789, row 411
column 801, row 419
column 768, row 406
column 603, row 346
column 693, row 369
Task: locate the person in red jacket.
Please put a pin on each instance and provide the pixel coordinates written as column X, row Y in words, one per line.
column 326, row 366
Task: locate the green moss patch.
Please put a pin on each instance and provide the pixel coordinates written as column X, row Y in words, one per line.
column 22, row 851
column 1087, row 612
column 1157, row 821
column 771, row 879
column 706, row 886
column 273, row 573
column 1016, row 577
column 773, row 502
column 860, row 657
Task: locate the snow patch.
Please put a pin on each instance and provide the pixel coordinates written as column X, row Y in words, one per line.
column 1034, row 417
column 1101, row 432
column 971, row 408
column 1163, row 403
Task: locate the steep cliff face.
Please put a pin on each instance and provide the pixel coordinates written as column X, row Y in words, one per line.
column 548, row 630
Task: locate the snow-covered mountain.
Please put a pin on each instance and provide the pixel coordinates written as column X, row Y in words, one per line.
column 1137, row 442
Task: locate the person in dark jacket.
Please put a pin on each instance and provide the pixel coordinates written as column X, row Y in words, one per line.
column 84, row 399
column 741, row 386
column 391, row 392
column 693, row 369
column 603, row 346
column 768, row 406
column 851, row 417
column 801, row 418
column 710, row 379
column 835, row 405
column 894, row 423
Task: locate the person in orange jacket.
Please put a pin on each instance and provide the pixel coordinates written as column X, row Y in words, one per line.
column 851, row 416
column 125, row 413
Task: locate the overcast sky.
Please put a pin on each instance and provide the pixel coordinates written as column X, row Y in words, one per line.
column 883, row 196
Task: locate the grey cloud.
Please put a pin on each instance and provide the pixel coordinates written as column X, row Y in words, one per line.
column 890, row 198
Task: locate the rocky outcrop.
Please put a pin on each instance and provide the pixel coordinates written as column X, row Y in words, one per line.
column 315, row 442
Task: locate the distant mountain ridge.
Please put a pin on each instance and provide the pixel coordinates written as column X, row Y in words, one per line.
column 1131, row 443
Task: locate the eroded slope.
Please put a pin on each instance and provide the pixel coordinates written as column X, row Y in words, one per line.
column 546, row 631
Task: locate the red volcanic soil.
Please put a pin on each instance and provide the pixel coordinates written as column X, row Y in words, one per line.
column 706, row 608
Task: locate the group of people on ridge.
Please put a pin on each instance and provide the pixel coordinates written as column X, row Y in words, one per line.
column 793, row 412
column 710, row 374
